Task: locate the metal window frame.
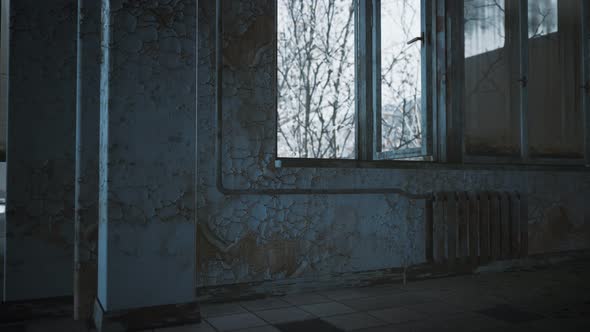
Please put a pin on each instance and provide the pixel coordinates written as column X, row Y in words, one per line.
column 426, row 151
column 364, row 82
column 520, row 57
column 586, row 78
column 367, row 85
column 443, row 84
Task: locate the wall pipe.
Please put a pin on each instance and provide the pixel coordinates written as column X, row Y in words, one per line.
column 272, row 192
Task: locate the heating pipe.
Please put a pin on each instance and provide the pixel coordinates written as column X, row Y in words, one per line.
column 263, row 191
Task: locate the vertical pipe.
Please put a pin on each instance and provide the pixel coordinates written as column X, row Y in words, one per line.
column 522, row 42
column 586, row 77
column 77, row 164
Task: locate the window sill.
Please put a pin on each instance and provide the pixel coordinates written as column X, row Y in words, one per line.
column 400, row 164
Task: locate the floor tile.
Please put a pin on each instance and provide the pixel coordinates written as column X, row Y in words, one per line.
column 327, row 309
column 384, row 328
column 305, row 298
column 283, row 315
column 382, row 302
column 344, row 294
column 397, row 315
column 235, row 322
column 355, row 321
column 201, row 327
column 417, row 326
column 13, row 328
column 435, row 308
column 468, row 321
column 222, row 309
column 267, row 328
column 381, row 290
column 472, row 301
column 47, row 325
column 308, row 326
column 265, row 304
column 559, row 324
column 510, row 314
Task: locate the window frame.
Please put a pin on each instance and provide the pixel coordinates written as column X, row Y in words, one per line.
column 443, row 135
column 516, row 22
column 586, row 78
column 367, row 77
column 427, row 78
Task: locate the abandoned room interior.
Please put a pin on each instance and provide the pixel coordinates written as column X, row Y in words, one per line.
column 294, row 165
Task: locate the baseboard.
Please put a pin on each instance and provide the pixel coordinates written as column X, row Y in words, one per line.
column 18, row 311
column 146, row 318
column 262, row 289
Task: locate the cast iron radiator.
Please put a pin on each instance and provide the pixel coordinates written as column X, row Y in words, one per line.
column 474, row 228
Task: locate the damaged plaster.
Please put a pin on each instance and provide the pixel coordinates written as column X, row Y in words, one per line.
column 147, row 154
column 244, row 239
column 41, row 152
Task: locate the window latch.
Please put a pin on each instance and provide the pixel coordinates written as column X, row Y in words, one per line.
column 523, row 81
column 413, row 40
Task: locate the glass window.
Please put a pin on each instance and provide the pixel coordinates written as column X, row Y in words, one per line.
column 542, row 17
column 316, row 79
column 484, row 26
column 401, row 75
column 555, row 116
column 492, row 125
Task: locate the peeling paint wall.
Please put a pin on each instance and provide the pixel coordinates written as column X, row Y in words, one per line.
column 87, row 136
column 147, row 181
column 147, row 153
column 40, row 181
column 272, row 238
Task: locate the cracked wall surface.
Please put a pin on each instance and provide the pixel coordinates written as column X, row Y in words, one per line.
column 147, row 153
column 147, row 166
column 253, row 238
column 87, row 136
column 40, row 182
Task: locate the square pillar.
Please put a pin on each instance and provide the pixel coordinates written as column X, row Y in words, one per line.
column 87, row 138
column 147, row 206
column 40, row 150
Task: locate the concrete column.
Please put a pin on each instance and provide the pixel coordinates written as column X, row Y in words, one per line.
column 146, row 248
column 87, row 131
column 40, row 150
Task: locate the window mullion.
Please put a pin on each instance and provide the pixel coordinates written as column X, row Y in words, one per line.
column 427, row 81
column 523, row 54
column 363, row 81
column 440, row 134
column 586, row 77
column 376, row 76
column 455, row 72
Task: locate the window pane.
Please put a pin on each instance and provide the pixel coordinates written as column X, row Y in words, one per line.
column 315, row 79
column 401, row 68
column 555, row 76
column 542, row 17
column 491, row 114
column 484, row 26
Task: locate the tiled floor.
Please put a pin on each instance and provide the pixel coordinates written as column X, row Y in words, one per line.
column 554, row 299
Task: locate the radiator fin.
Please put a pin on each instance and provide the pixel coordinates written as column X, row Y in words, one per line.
column 475, row 228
